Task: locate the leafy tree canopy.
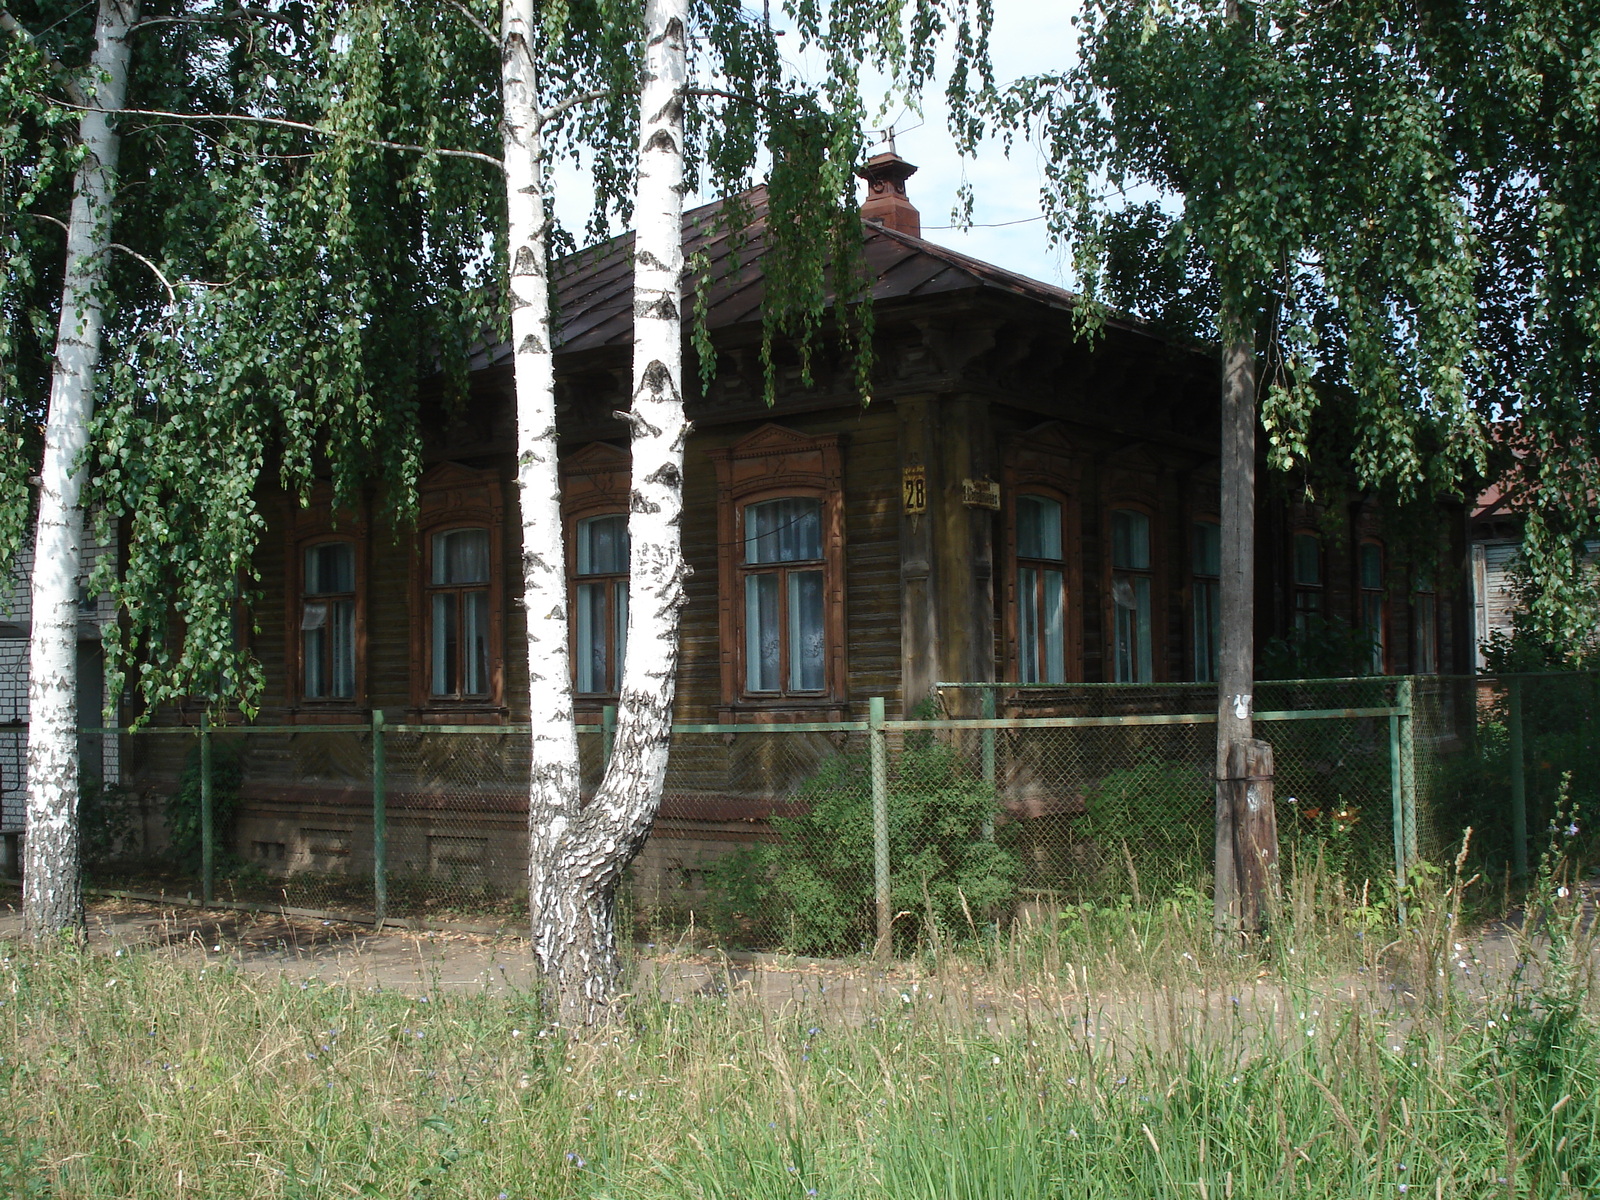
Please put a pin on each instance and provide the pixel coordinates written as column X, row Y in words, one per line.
column 313, row 216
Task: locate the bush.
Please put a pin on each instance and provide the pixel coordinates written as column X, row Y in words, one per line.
column 1159, row 815
column 812, row 891
column 183, row 809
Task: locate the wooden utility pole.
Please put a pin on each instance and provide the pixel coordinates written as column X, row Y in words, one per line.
column 1238, row 901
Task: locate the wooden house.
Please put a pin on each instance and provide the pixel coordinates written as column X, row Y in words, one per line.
column 1015, row 503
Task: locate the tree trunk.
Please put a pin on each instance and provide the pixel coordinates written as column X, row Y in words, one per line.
column 52, row 889
column 582, row 864
column 1236, row 640
column 553, row 799
column 577, row 853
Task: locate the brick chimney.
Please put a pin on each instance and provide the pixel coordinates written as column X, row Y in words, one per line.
column 886, row 202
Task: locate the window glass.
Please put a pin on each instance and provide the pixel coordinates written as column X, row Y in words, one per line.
column 330, row 568
column 1041, row 591
column 328, row 622
column 459, row 614
column 763, row 643
column 785, row 625
column 603, row 545
column 1133, row 643
column 1038, row 527
column 1130, row 540
column 1307, row 560
column 1369, row 558
column 1371, row 565
column 780, row 531
column 1207, row 548
column 1426, row 618
column 602, row 603
column 1207, row 570
column 807, row 640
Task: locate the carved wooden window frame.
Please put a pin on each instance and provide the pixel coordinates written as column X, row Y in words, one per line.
column 1043, row 462
column 308, row 526
column 773, row 463
column 596, row 481
column 453, row 496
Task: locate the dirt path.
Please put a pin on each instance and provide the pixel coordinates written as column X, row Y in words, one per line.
column 423, row 963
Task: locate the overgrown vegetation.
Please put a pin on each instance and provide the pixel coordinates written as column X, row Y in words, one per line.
column 812, row 891
column 1047, row 1062
column 183, row 810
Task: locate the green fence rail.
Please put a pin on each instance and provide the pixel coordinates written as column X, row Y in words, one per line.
column 848, row 835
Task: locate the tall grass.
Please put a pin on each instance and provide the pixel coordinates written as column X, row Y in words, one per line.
column 144, row 1076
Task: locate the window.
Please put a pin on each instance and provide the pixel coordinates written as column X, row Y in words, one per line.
column 458, row 615
column 328, row 621
column 1206, row 598
column 600, row 602
column 785, row 637
column 1041, row 591
column 1373, row 604
column 1425, row 626
column 458, row 596
column 1306, row 576
column 1131, row 585
column 780, row 534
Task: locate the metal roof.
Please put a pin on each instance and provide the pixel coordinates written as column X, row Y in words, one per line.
column 594, row 287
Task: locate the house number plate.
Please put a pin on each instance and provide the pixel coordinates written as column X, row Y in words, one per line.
column 914, row 488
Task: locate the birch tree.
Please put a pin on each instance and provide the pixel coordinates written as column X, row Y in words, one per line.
column 1307, row 156
column 348, row 232
column 52, row 895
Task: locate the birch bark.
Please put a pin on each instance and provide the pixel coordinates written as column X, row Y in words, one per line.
column 577, row 853
column 52, row 889
column 553, row 800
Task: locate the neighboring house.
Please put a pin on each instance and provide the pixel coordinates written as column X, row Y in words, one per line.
column 98, row 755
column 1015, row 503
column 1495, row 533
column 1495, row 541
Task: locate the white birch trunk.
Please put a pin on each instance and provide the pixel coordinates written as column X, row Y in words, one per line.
column 553, row 800
column 576, row 853
column 52, row 889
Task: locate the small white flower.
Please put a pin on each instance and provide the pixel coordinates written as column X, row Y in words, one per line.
column 516, row 1033
column 1562, row 892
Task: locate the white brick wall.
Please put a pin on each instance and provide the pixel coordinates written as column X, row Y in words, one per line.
column 14, row 616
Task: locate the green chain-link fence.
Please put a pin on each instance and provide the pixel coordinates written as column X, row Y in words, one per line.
column 824, row 838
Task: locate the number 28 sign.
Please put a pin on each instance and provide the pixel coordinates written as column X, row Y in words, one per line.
column 914, row 488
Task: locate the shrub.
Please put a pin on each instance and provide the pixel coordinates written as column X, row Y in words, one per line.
column 812, row 891
column 1159, row 815
column 183, row 809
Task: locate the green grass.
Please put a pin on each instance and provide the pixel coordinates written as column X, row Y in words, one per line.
column 142, row 1075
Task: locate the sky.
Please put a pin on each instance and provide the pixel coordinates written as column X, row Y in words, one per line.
column 1030, row 36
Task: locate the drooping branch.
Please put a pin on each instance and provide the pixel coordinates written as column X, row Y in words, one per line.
column 69, row 83
column 237, row 14
column 320, row 131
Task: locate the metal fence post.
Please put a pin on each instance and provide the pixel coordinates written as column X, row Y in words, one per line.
column 380, row 825
column 988, row 742
column 1398, row 805
column 878, row 742
column 1519, row 781
column 1408, row 765
column 208, row 849
column 608, row 733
